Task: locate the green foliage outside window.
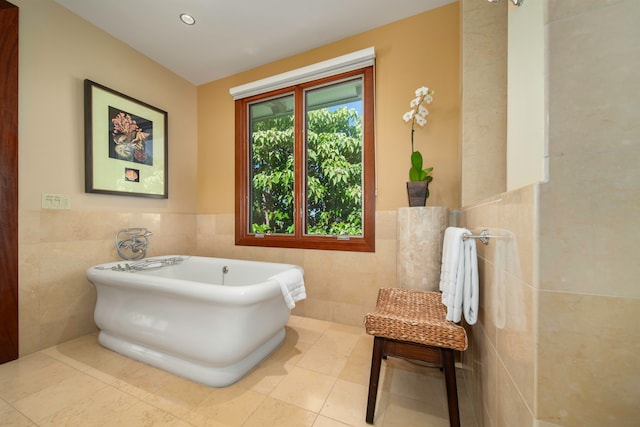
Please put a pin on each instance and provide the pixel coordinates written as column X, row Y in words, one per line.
column 334, row 174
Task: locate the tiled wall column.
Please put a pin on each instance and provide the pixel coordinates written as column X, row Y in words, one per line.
column 484, row 99
column 589, row 369
column 500, row 362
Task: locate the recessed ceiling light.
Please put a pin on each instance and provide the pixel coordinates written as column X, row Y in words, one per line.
column 187, row 19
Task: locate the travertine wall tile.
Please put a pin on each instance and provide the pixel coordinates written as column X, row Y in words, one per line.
column 516, row 335
column 584, row 221
column 419, row 246
column 29, row 298
column 485, row 175
column 589, row 368
column 560, row 9
column 512, row 409
column 501, row 359
column 573, row 274
column 593, row 65
column 484, row 99
column 341, row 286
column 56, row 299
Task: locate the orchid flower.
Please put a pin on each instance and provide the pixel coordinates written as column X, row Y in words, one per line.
column 418, row 114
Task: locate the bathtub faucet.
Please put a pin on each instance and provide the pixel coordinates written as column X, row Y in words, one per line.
column 131, row 243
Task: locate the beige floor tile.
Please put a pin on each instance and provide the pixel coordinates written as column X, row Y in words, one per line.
column 318, row 377
column 323, row 360
column 358, row 366
column 179, row 396
column 230, row 406
column 310, row 330
column 276, row 413
column 93, row 410
column 120, row 366
column 115, row 368
column 338, row 341
column 467, row 415
column 53, row 398
column 386, row 375
column 144, row 415
column 143, row 381
column 358, row 369
column 363, row 347
column 28, row 375
column 294, row 320
column 347, row 403
column 9, row 416
column 306, row 336
column 328, row 355
column 402, row 411
column 323, row 421
column 417, row 367
column 266, row 376
column 304, row 388
column 291, row 350
column 468, row 410
column 339, row 327
column 54, row 353
column 82, row 353
column 426, row 385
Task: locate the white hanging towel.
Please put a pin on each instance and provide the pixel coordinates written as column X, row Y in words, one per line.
column 292, row 286
column 459, row 276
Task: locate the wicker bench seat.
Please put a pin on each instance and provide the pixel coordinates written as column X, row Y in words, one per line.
column 412, row 325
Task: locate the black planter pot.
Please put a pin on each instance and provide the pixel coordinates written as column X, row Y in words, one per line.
column 418, row 191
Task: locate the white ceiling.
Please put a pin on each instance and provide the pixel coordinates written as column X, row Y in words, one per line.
column 233, row 36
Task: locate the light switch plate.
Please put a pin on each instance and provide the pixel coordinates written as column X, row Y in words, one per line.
column 56, row 201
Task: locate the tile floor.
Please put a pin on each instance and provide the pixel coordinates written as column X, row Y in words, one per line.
column 318, row 377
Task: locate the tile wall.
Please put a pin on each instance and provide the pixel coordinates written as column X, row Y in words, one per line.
column 499, row 365
column 419, row 249
column 341, row 286
column 484, row 100
column 589, row 298
column 56, row 300
column 556, row 343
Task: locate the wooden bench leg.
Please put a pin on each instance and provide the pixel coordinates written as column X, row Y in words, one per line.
column 376, row 361
column 450, row 380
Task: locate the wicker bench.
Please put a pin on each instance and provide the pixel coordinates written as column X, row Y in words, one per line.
column 412, row 325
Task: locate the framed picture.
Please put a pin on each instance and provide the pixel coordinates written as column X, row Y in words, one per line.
column 125, row 144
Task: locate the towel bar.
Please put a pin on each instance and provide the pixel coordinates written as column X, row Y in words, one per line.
column 484, row 236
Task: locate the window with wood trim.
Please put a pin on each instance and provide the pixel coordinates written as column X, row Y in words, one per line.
column 305, row 165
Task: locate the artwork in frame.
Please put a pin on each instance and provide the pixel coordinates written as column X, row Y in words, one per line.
column 126, row 144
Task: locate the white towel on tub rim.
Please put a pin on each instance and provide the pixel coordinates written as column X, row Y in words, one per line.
column 292, row 286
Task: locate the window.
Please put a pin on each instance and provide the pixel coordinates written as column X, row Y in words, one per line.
column 305, row 165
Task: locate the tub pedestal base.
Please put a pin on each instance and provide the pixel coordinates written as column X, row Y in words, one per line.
column 211, row 376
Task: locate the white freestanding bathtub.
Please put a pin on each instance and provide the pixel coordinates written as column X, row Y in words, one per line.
column 210, row 320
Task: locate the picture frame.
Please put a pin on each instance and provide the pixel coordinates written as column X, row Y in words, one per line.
column 126, row 144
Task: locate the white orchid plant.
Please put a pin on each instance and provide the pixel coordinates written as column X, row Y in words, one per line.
column 418, row 114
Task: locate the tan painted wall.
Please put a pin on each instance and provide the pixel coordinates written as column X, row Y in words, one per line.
column 422, row 50
column 58, row 50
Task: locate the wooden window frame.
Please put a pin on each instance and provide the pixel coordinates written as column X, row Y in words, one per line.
column 365, row 243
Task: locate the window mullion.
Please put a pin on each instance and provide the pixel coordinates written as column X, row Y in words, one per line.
column 299, row 163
